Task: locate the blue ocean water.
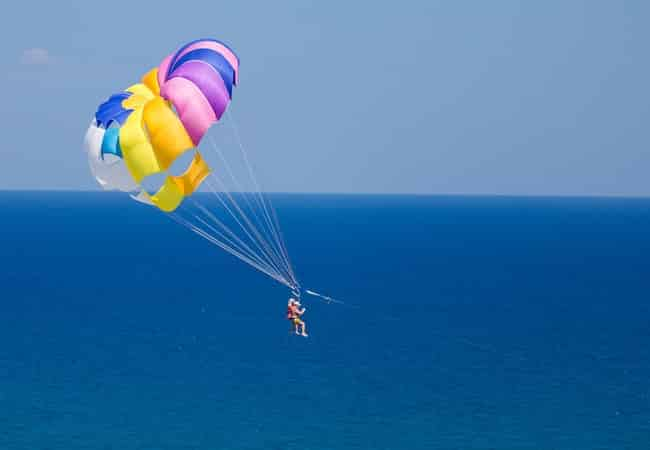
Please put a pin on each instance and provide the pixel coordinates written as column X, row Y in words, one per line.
column 471, row 323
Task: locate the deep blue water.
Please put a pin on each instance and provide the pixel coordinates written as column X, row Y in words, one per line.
column 475, row 323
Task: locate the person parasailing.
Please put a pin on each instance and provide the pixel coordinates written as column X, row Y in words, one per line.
column 294, row 314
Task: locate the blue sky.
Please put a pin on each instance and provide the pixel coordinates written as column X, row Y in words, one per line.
column 503, row 97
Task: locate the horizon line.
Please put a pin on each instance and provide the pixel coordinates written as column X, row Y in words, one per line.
column 383, row 194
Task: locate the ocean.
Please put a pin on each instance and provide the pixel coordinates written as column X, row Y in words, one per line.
column 469, row 323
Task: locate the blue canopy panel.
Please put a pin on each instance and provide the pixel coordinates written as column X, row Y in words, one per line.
column 113, row 111
column 196, row 41
column 111, row 143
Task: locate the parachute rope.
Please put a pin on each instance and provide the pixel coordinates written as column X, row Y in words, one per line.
column 238, row 244
column 274, row 232
column 257, row 190
column 324, row 297
column 241, row 245
column 254, row 234
column 249, row 227
column 199, row 231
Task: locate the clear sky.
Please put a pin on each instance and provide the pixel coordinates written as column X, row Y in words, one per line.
column 485, row 97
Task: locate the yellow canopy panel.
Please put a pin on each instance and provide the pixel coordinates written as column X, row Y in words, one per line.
column 189, row 181
column 138, row 153
column 142, row 90
column 175, row 189
column 166, row 132
column 150, row 79
column 168, row 197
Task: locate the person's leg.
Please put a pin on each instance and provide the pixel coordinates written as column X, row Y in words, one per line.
column 304, row 329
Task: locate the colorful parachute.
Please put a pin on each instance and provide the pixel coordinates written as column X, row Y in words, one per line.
column 138, row 134
column 141, row 131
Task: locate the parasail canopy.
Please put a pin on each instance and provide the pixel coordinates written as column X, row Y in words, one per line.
column 140, row 132
column 137, row 135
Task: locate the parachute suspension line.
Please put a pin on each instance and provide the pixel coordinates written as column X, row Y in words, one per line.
column 265, row 207
column 269, row 235
column 258, row 241
column 236, row 183
column 227, row 230
column 261, row 254
column 284, row 248
column 199, row 231
column 265, row 225
column 265, row 248
column 231, row 239
column 246, row 228
column 270, row 241
column 223, row 234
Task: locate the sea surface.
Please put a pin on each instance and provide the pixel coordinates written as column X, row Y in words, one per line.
column 469, row 323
